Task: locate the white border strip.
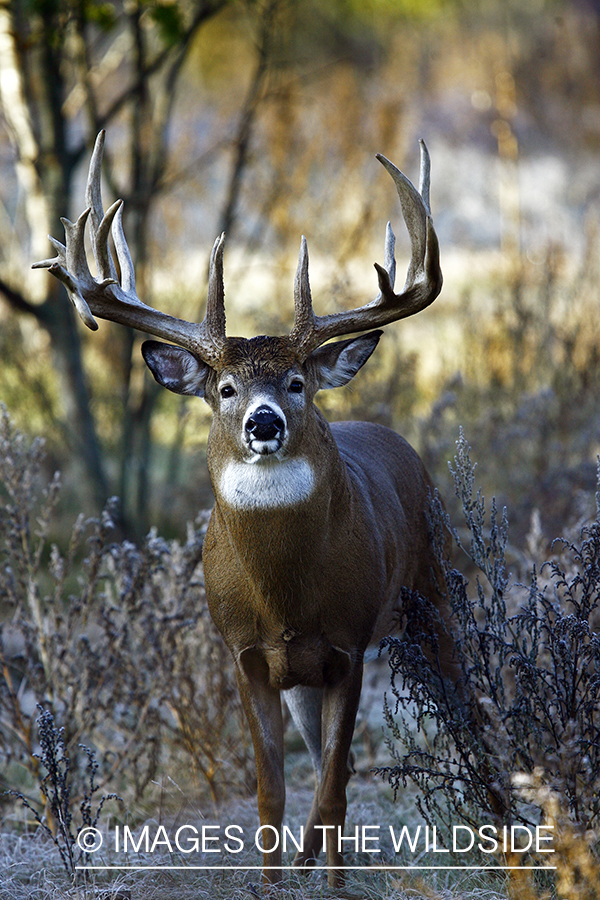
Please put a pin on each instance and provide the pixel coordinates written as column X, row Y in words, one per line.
column 308, row 869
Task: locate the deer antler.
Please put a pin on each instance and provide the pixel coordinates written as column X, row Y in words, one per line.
column 118, row 302
column 423, row 280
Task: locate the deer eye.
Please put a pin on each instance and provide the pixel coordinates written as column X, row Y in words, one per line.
column 296, row 386
column 227, row 390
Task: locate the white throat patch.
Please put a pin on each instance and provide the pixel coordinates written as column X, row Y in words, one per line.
column 266, row 484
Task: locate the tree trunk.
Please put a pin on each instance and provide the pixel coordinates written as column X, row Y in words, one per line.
column 44, row 169
column 60, row 320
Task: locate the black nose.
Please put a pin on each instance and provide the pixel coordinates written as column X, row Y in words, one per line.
column 264, row 424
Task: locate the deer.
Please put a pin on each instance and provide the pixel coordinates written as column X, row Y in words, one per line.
column 317, row 529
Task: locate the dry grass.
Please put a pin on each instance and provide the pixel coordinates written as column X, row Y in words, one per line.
column 33, row 868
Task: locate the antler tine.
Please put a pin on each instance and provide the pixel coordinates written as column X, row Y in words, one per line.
column 214, row 320
column 415, row 210
column 304, row 316
column 93, row 193
column 118, row 302
column 100, row 225
column 389, row 256
column 121, row 247
column 70, row 265
column 424, row 175
column 423, row 279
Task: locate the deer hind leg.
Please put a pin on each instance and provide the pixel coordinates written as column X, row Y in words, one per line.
column 262, row 706
column 305, row 705
column 340, row 705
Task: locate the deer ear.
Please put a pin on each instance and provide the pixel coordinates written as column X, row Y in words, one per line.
column 337, row 363
column 176, row 369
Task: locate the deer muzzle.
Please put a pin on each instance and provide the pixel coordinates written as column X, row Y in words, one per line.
column 264, row 430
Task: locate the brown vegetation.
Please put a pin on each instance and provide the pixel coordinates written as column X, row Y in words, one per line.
column 113, row 637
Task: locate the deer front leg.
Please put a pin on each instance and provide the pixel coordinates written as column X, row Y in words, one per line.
column 340, row 705
column 262, row 706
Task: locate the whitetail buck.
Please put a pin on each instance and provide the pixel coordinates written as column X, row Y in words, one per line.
column 316, row 529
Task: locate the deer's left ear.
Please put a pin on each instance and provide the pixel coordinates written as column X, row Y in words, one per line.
column 176, row 369
column 336, row 364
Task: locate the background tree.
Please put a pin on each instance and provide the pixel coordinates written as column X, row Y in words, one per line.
column 69, row 69
column 66, row 71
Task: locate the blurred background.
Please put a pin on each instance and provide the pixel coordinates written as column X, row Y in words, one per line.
column 262, row 118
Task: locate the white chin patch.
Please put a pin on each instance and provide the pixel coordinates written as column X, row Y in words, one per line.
column 266, row 485
column 265, row 448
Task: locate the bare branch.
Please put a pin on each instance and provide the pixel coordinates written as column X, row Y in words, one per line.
column 19, row 303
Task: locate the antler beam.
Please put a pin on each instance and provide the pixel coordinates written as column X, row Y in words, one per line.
column 423, row 280
column 118, row 302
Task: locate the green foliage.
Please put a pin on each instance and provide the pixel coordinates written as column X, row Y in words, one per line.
column 379, row 12
column 168, row 17
column 28, row 382
column 102, row 14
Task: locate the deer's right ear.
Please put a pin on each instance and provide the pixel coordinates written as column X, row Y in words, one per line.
column 176, row 369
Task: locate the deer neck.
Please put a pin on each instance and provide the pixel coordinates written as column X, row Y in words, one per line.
column 280, row 513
